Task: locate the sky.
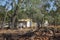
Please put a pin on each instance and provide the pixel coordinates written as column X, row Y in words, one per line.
column 51, row 3
column 52, row 6
column 3, row 2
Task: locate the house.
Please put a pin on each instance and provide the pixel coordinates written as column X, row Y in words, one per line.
column 46, row 23
column 24, row 23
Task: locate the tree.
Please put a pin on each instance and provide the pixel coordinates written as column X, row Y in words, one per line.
column 26, row 9
column 50, row 10
column 2, row 14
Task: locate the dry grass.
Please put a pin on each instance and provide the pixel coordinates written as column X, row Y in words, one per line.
column 20, row 30
column 24, row 30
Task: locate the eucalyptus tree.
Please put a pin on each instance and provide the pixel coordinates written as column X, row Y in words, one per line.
column 31, row 7
column 51, row 9
column 24, row 9
column 2, row 14
column 15, row 12
column 14, row 8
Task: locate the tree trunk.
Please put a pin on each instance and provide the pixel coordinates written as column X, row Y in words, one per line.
column 2, row 23
column 38, row 25
column 14, row 17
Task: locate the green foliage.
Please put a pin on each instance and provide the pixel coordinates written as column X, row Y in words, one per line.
column 31, row 9
column 2, row 13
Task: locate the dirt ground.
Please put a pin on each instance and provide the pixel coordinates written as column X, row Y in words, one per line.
column 38, row 35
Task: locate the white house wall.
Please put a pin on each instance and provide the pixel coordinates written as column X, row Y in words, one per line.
column 28, row 24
